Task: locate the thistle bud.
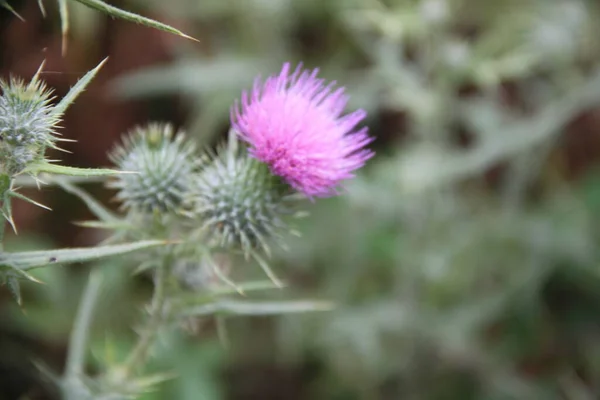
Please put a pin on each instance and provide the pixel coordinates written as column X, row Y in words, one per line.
column 163, row 164
column 239, row 202
column 27, row 124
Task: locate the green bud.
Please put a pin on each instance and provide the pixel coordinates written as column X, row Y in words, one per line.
column 239, row 202
column 28, row 124
column 162, row 162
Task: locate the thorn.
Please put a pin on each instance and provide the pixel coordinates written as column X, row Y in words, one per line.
column 189, row 37
column 267, row 270
column 10, row 221
column 42, row 8
column 38, row 182
column 12, row 10
column 27, row 199
column 61, row 149
column 37, row 73
column 215, row 268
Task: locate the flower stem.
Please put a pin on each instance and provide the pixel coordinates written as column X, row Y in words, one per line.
column 139, row 353
column 81, row 327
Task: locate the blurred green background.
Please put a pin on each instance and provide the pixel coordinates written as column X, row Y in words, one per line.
column 463, row 258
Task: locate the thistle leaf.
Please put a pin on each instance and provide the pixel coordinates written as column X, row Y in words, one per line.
column 76, row 90
column 72, row 171
column 132, row 17
column 32, row 259
column 47, row 179
column 236, row 307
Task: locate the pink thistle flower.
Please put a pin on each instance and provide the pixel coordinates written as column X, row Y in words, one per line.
column 294, row 124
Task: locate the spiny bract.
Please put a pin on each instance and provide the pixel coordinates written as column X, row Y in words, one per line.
column 162, row 164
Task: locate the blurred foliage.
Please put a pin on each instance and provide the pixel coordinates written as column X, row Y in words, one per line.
column 463, row 261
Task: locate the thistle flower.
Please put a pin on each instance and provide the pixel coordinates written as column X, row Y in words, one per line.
column 294, row 124
column 28, row 124
column 239, row 202
column 163, row 163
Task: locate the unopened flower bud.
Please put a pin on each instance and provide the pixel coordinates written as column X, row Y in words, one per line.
column 162, row 164
column 239, row 202
column 27, row 124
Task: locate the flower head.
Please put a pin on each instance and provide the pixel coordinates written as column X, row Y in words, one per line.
column 294, row 124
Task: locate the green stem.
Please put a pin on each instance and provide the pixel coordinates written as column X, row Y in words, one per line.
column 81, row 327
column 139, row 353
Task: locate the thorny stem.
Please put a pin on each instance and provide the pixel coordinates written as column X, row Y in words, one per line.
column 81, row 327
column 140, row 352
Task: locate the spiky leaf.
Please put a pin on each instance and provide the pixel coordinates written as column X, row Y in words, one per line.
column 32, row 259
column 237, row 307
column 129, row 16
column 76, row 90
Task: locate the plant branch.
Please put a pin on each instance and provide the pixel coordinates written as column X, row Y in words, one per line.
column 139, row 353
column 81, row 327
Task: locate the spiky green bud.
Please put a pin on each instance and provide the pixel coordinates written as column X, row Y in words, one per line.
column 28, row 124
column 163, row 164
column 239, row 202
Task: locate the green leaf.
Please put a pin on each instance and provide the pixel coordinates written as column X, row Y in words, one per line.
column 72, row 171
column 48, row 179
column 76, row 90
column 32, row 259
column 236, row 307
column 129, row 16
